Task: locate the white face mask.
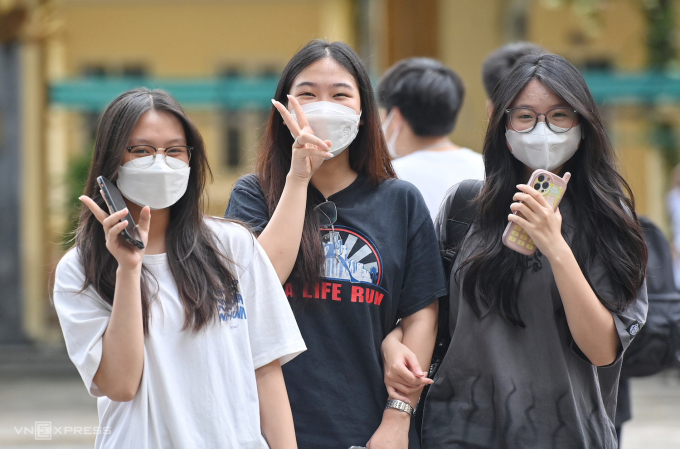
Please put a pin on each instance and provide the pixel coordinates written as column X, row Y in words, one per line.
column 543, row 148
column 158, row 186
column 332, row 121
column 392, row 142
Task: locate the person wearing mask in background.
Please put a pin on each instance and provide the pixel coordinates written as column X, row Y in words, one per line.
column 181, row 341
column 537, row 341
column 501, row 62
column 354, row 246
column 420, row 100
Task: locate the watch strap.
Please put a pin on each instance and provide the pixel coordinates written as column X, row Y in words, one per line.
column 400, row 405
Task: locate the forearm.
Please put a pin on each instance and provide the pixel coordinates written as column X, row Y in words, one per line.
column 420, row 335
column 393, row 338
column 276, row 418
column 122, row 362
column 281, row 238
column 590, row 323
column 418, row 332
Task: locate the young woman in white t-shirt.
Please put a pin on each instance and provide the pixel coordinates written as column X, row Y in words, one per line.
column 182, row 342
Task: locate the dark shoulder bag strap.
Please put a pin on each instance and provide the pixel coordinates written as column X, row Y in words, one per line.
column 459, row 217
column 460, row 213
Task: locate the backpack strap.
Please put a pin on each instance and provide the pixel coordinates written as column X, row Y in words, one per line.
column 459, row 212
column 459, row 215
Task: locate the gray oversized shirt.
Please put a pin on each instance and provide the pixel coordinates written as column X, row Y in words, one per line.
column 502, row 386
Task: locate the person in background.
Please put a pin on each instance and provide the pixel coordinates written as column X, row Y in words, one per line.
column 501, row 62
column 420, row 100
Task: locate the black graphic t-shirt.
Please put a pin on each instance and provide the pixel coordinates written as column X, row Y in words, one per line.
column 501, row 386
column 382, row 263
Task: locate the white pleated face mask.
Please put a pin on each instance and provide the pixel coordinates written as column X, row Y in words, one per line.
column 332, row 121
column 158, row 186
column 542, row 147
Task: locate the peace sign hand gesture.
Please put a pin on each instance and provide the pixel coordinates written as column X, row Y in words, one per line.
column 128, row 257
column 309, row 151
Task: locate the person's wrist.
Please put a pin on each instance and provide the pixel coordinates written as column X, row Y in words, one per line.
column 397, row 418
column 295, row 178
column 559, row 252
column 129, row 270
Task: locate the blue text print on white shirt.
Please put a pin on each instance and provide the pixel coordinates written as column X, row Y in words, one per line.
column 238, row 311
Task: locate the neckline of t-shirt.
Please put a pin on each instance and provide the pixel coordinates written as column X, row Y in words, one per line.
column 155, row 259
column 357, row 184
column 440, row 151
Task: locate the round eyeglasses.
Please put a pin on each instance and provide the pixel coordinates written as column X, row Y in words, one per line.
column 143, row 156
column 524, row 120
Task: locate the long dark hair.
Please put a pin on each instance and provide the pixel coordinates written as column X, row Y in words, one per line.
column 604, row 207
column 201, row 272
column 368, row 154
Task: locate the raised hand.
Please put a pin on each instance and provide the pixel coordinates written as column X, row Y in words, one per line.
column 309, row 151
column 128, row 256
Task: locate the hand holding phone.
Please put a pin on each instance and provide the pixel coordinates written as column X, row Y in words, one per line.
column 116, row 203
column 552, row 188
column 128, row 256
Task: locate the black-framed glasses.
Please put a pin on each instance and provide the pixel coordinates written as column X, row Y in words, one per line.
column 558, row 120
column 143, row 156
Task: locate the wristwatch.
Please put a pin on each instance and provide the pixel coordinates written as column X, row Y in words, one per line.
column 400, row 405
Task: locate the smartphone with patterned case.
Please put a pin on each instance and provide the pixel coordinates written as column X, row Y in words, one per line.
column 552, row 187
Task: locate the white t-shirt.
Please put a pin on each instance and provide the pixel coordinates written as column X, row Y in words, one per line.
column 197, row 390
column 435, row 172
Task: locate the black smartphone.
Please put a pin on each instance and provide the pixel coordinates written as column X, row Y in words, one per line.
column 116, row 202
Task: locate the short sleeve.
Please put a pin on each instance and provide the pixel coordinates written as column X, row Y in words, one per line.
column 272, row 328
column 247, row 204
column 629, row 321
column 83, row 316
column 424, row 280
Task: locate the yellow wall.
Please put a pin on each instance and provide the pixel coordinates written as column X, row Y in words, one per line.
column 198, row 38
column 617, row 32
column 469, row 31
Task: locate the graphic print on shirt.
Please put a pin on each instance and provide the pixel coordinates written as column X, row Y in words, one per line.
column 237, row 312
column 352, row 270
column 353, row 258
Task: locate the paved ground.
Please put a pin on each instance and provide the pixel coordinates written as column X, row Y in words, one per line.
column 656, row 413
column 53, row 394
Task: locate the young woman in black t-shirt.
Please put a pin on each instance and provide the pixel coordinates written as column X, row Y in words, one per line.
column 537, row 340
column 354, row 246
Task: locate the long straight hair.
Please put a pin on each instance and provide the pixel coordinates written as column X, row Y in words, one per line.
column 368, row 153
column 201, row 271
column 603, row 203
